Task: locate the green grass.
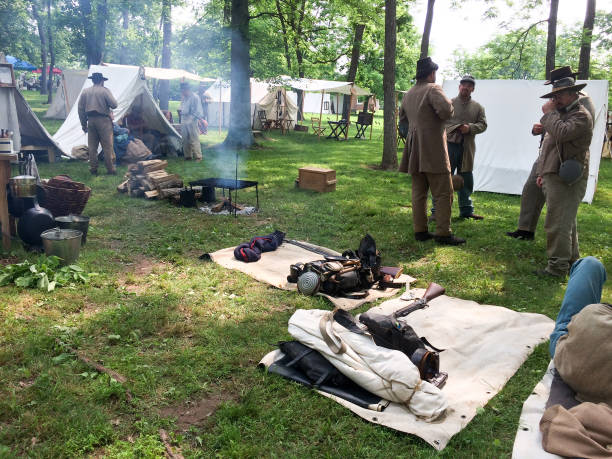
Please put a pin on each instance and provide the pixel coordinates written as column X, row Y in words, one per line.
column 190, row 330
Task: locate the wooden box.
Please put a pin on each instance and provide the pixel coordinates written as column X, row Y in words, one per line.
column 317, row 179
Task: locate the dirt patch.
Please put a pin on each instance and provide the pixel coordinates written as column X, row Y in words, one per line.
column 195, row 412
column 140, row 268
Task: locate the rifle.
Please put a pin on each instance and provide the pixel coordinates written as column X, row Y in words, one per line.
column 389, row 332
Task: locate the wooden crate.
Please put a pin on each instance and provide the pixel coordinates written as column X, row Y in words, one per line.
column 317, row 179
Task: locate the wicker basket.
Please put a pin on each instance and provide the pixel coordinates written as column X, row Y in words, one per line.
column 62, row 196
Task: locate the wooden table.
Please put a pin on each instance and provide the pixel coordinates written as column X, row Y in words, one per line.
column 50, row 151
column 5, row 220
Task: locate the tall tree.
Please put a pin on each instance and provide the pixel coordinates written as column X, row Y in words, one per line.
column 239, row 134
column 551, row 42
column 587, row 37
column 125, row 25
column 94, row 29
column 352, row 73
column 389, row 157
column 43, row 44
column 51, row 51
column 427, row 29
column 164, row 85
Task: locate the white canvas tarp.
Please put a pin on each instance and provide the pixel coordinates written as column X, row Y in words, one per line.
column 219, row 96
column 506, row 151
column 66, row 94
column 129, row 88
column 17, row 116
column 278, row 106
column 336, row 87
column 160, row 73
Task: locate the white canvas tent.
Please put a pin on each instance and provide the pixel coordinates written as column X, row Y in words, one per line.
column 66, row 94
column 129, row 88
column 506, row 151
column 17, row 116
column 278, row 105
column 219, row 97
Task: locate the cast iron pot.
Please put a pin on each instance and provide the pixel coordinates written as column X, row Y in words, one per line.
column 23, row 186
column 33, row 222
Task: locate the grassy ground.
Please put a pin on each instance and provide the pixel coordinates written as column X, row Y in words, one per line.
column 190, row 333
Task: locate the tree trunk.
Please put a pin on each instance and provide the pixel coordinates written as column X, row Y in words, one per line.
column 101, row 21
column 281, row 18
column 164, row 85
column 240, row 134
column 43, row 46
column 587, row 37
column 389, row 158
column 299, row 55
column 551, row 43
column 352, row 73
column 125, row 13
column 51, row 51
column 427, row 29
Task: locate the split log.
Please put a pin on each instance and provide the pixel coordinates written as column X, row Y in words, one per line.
column 174, row 183
column 151, row 194
column 122, row 187
column 225, row 203
column 100, row 368
column 168, row 192
column 151, row 165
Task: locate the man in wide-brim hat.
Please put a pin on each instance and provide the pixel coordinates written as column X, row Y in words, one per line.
column 425, row 157
column 95, row 105
column 532, row 197
column 569, row 129
column 191, row 112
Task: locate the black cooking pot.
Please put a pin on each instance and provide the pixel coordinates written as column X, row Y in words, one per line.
column 33, row 222
column 187, row 197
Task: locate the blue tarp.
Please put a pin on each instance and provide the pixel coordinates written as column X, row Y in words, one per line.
column 18, row 64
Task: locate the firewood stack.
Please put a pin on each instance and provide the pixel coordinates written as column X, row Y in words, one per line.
column 150, row 179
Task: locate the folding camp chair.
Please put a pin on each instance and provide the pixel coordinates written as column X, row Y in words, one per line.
column 266, row 124
column 317, row 129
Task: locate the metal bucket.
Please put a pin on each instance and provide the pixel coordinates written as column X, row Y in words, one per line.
column 63, row 243
column 75, row 222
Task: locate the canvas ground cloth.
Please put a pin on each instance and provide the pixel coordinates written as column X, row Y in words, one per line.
column 528, row 440
column 485, row 345
column 273, row 268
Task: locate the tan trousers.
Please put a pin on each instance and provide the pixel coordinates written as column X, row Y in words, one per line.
column 442, row 192
column 191, row 138
column 562, row 203
column 532, row 201
column 100, row 131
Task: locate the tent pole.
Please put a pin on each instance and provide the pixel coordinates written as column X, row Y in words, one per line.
column 348, row 121
column 337, row 101
column 65, row 95
column 321, row 112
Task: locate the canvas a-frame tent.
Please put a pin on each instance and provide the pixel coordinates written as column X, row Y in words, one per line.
column 506, row 151
column 219, row 96
column 17, row 116
column 128, row 86
column 278, row 105
column 66, row 94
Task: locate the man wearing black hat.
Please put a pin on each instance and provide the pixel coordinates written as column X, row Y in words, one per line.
column 191, row 112
column 425, row 154
column 467, row 121
column 563, row 171
column 95, row 105
column 532, row 197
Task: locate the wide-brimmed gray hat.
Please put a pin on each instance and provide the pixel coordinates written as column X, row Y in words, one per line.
column 97, row 76
column 468, row 79
column 424, row 67
column 563, row 84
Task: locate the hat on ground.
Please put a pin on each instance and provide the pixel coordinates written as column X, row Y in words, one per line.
column 185, row 85
column 97, row 77
column 564, row 84
column 425, row 67
column 468, row 79
column 561, row 72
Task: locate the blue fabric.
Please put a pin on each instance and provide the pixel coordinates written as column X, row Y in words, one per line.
column 586, row 280
column 121, row 138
